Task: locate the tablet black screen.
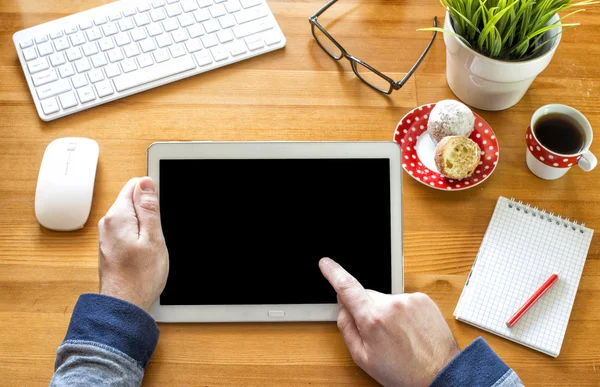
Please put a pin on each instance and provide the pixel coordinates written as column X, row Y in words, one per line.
column 252, row 231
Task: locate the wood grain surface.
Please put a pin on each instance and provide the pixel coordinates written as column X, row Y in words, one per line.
column 297, row 93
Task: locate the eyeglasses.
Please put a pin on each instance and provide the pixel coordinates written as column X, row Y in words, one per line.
column 369, row 75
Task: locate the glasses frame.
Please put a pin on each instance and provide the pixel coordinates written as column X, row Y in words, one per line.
column 394, row 85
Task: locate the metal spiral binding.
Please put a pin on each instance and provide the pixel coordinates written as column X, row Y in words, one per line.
column 550, row 217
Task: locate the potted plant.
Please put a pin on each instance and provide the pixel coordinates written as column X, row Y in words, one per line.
column 496, row 48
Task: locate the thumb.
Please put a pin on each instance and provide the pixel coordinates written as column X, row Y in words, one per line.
column 145, row 201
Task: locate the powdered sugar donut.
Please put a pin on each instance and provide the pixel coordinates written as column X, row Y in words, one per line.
column 450, row 118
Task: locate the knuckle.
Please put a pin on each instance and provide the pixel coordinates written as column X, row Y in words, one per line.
column 374, row 321
column 346, row 282
column 150, row 204
column 420, row 298
column 109, row 218
column 398, row 304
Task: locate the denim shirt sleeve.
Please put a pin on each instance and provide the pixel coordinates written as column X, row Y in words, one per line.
column 109, row 342
column 477, row 365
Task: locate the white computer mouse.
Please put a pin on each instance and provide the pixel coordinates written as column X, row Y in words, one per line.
column 63, row 197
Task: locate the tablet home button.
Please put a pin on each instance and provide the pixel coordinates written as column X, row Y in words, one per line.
column 276, row 313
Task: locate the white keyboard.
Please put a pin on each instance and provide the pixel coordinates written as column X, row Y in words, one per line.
column 122, row 48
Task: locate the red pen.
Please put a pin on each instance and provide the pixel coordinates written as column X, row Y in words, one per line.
column 532, row 300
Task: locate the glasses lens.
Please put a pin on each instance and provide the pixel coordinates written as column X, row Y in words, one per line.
column 326, row 43
column 371, row 78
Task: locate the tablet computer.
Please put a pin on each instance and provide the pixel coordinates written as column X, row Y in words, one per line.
column 247, row 223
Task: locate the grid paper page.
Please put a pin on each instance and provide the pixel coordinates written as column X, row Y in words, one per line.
column 521, row 249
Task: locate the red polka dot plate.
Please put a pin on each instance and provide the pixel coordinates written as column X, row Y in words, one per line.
column 418, row 150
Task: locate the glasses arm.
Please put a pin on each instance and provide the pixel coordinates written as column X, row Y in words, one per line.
column 323, row 9
column 399, row 84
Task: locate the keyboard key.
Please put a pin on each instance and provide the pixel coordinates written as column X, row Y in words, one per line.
column 114, row 16
column 142, row 19
column 143, row 7
column 177, row 50
column 201, row 15
column 26, row 43
column 86, row 94
column 138, row 34
column 50, row 106
column 237, row 48
column 96, row 75
column 189, row 5
column 57, row 59
column 254, row 42
column 45, row 49
column 153, row 73
column 250, row 3
column 61, row 44
column 148, row 45
column 158, row 15
column 77, row 39
column 193, row 45
column 85, row 25
column 110, row 29
column 173, row 10
column 41, row 39
column 82, row 65
column 220, row 1
column 30, row 53
column 179, row 36
column 227, row 21
column 217, row 10
column 93, row 34
column 44, row 77
column 37, row 65
column 115, row 55
column 122, row 39
column 205, row 3
column 129, row 12
column 56, row 34
column 79, row 80
column 195, row 31
column 145, row 60
column 172, row 1
column 211, row 26
column 271, row 39
column 106, row 44
column 68, row 100
column 154, row 29
column 203, row 58
column 170, row 25
column 253, row 27
column 131, row 50
column 163, row 40
column 250, row 14
column 219, row 53
column 99, row 60
column 185, row 20
column 71, row 30
column 90, row 49
column 209, row 41
column 54, row 88
column 158, row 3
column 73, row 54
column 232, row 6
column 112, row 70
column 99, row 21
column 126, row 24
column 161, row 55
column 225, row 36
column 128, row 65
column 66, row 70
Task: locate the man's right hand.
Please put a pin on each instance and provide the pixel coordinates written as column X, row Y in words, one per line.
column 133, row 260
column 400, row 340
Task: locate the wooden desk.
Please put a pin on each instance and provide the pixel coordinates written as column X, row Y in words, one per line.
column 297, row 93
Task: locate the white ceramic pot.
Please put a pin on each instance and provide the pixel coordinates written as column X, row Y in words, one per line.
column 490, row 84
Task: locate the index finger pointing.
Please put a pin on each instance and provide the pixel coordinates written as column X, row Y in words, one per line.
column 350, row 291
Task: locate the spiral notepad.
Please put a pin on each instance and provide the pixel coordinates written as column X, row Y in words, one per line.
column 522, row 247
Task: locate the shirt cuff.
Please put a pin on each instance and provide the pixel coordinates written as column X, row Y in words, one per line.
column 476, row 365
column 114, row 323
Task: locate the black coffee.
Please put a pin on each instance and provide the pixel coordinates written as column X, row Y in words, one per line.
column 560, row 133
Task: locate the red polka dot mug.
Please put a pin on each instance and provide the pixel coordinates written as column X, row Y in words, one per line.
column 548, row 164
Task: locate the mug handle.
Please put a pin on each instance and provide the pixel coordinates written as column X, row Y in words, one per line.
column 588, row 161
